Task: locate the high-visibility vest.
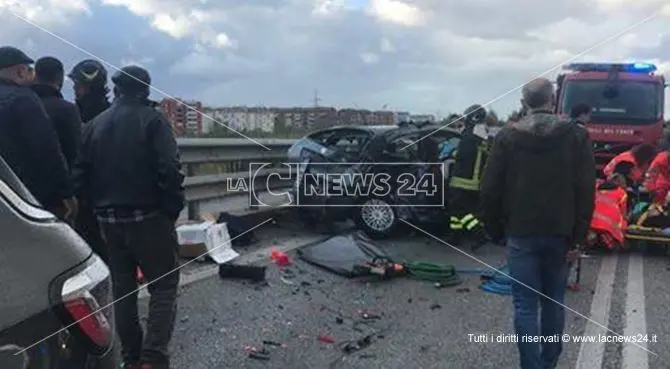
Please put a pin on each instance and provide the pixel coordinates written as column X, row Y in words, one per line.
column 657, row 180
column 636, row 175
column 609, row 215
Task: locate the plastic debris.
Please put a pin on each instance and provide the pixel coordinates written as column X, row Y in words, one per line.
column 279, row 257
column 259, row 356
column 357, row 345
column 326, row 339
column 254, row 353
column 250, row 272
column 286, row 281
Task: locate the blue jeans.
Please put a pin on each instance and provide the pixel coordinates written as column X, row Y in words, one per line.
column 539, row 264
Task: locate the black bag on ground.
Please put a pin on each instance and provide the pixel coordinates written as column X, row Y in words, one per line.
column 342, row 254
column 236, row 229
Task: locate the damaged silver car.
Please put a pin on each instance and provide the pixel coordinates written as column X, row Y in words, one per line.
column 374, row 175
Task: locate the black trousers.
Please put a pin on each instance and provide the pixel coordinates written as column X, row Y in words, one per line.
column 88, row 228
column 152, row 245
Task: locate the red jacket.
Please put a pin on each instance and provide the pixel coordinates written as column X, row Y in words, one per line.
column 658, row 177
column 636, row 175
column 609, row 216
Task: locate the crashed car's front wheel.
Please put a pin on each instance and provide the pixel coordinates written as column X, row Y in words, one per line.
column 376, row 217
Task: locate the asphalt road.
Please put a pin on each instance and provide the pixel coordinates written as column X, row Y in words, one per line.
column 421, row 326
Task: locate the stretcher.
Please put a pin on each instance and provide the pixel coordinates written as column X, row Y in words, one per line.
column 639, row 233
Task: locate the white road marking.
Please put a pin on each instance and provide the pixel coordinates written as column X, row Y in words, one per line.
column 244, row 259
column 591, row 353
column 636, row 322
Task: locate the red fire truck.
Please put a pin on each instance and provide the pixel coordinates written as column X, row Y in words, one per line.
column 627, row 102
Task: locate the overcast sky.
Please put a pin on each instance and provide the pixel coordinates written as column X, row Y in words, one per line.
column 423, row 56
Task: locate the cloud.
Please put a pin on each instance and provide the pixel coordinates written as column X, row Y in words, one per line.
column 179, row 19
column 419, row 55
column 370, row 58
column 144, row 62
column 397, row 11
column 386, row 46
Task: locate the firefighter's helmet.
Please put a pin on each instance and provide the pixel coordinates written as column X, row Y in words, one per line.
column 89, row 72
column 475, row 114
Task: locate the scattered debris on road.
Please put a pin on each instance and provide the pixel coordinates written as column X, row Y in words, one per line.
column 326, row 338
column 279, row 257
column 257, row 354
column 358, row 345
column 249, row 272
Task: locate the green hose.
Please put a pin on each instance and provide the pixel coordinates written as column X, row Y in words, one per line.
column 444, row 274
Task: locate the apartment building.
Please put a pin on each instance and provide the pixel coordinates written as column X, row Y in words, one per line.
column 422, row 118
column 383, row 118
column 242, row 118
column 184, row 115
column 306, row 118
column 355, row 117
column 401, row 116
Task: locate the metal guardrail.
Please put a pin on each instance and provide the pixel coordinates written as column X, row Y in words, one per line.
column 229, row 174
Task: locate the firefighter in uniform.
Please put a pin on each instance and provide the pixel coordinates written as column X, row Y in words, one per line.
column 90, row 89
column 471, row 157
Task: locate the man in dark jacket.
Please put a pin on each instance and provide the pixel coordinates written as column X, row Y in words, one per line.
column 538, row 193
column 90, row 89
column 130, row 165
column 28, row 141
column 49, row 75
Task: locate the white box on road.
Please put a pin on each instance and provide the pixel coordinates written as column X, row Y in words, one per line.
column 218, row 244
column 206, row 238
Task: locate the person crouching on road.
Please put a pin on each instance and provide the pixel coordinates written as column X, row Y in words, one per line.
column 538, row 194
column 611, row 209
column 129, row 163
column 640, row 156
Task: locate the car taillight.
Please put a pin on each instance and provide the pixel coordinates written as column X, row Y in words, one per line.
column 84, row 294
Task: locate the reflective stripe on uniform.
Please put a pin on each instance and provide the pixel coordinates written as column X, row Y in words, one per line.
column 473, row 183
column 469, row 222
column 455, row 223
column 464, row 183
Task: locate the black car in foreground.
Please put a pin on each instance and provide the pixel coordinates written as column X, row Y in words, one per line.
column 52, row 289
column 375, row 175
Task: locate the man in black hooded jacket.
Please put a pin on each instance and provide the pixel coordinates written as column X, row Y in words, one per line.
column 64, row 115
column 538, row 192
